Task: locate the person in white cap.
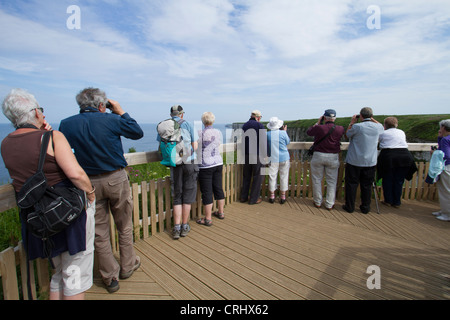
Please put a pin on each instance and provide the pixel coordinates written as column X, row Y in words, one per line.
column 277, row 142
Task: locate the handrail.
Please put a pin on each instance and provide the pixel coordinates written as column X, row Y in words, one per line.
column 7, row 195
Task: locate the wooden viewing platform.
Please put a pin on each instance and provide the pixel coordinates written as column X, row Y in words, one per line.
column 296, row 252
column 269, row 251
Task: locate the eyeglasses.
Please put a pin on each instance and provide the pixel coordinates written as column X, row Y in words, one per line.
column 40, row 109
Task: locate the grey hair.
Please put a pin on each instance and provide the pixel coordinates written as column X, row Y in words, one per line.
column 18, row 107
column 445, row 124
column 91, row 97
column 366, row 112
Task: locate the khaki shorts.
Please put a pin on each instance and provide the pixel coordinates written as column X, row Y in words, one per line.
column 74, row 274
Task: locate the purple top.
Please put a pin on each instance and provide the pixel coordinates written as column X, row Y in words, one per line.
column 209, row 146
column 330, row 145
column 444, row 146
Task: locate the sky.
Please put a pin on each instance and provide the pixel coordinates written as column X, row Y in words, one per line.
column 292, row 59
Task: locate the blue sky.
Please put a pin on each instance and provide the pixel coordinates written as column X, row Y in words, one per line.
column 288, row 58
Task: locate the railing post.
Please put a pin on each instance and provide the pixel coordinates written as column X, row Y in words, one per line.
column 9, row 274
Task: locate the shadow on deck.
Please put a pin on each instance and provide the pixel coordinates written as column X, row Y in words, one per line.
column 296, row 252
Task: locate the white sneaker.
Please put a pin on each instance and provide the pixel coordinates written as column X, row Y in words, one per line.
column 444, row 217
column 437, row 214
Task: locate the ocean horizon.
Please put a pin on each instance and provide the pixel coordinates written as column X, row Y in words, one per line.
column 147, row 144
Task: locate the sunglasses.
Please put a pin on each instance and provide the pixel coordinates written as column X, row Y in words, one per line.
column 40, row 109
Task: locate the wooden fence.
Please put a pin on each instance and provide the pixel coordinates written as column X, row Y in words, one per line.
column 152, row 210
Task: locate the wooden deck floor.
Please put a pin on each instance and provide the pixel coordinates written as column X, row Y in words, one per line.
column 296, row 252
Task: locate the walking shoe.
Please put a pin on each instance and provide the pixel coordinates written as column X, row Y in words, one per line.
column 257, row 202
column 185, row 230
column 113, row 286
column 128, row 274
column 347, row 209
column 437, row 214
column 176, row 233
column 444, row 217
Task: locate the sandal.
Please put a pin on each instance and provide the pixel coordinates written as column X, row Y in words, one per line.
column 205, row 222
column 216, row 214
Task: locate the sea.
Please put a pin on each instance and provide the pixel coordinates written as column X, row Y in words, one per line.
column 146, row 144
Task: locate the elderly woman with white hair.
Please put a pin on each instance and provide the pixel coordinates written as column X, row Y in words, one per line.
column 74, row 246
column 443, row 183
column 210, row 169
column 277, row 142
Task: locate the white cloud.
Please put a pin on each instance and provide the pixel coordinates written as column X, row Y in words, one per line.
column 230, row 54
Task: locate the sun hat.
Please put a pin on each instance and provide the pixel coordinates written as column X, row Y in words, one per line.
column 275, row 123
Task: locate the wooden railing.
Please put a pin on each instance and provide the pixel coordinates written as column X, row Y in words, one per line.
column 152, row 208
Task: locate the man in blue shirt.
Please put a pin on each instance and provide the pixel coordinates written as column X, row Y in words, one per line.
column 361, row 159
column 95, row 137
column 184, row 176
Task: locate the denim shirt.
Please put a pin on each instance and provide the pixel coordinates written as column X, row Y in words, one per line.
column 277, row 142
column 363, row 148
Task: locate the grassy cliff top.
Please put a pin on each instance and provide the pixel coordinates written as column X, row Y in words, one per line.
column 418, row 128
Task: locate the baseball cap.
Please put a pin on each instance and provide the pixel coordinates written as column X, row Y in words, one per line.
column 330, row 113
column 176, row 110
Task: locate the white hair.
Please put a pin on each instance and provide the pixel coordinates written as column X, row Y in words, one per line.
column 208, row 118
column 445, row 124
column 18, row 106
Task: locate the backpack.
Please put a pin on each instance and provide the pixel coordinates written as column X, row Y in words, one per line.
column 170, row 146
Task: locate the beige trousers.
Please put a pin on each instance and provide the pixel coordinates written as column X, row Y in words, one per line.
column 113, row 193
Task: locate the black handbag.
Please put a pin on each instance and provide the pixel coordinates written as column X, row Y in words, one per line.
column 310, row 152
column 49, row 210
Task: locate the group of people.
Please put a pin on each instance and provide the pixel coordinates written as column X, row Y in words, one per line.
column 87, row 153
column 365, row 164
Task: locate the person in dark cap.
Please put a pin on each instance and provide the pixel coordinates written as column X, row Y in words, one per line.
column 325, row 161
column 184, row 176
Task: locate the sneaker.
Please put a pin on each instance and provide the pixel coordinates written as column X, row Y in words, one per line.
column 444, row 217
column 176, row 233
column 185, row 230
column 437, row 214
column 128, row 274
column 113, row 287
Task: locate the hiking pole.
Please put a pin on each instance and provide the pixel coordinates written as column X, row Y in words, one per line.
column 376, row 197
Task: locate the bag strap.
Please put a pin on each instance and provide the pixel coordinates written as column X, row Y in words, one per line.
column 44, row 147
column 326, row 136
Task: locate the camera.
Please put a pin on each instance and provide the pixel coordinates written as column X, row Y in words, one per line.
column 358, row 116
column 109, row 106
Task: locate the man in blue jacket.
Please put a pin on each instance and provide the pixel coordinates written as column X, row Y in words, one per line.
column 95, row 137
column 255, row 139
